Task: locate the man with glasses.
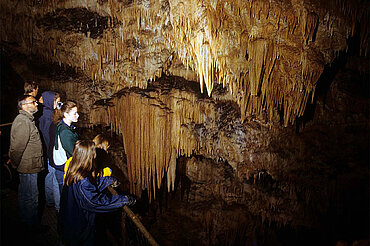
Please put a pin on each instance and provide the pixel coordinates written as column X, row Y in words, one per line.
column 25, row 154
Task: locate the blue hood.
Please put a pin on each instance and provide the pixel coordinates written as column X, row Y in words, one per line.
column 48, row 97
column 46, row 118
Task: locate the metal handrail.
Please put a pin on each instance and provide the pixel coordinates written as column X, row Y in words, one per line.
column 6, row 124
column 136, row 221
column 140, row 226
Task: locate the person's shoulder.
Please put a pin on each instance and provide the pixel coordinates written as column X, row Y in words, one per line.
column 86, row 184
column 62, row 127
column 65, row 131
column 21, row 118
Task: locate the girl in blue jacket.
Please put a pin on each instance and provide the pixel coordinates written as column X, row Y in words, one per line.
column 83, row 196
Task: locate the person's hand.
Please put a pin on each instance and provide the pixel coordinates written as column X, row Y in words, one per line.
column 116, row 184
column 131, row 200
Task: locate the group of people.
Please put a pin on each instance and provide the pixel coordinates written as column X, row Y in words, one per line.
column 76, row 177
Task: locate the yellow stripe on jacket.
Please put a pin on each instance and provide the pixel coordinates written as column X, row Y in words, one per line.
column 106, row 171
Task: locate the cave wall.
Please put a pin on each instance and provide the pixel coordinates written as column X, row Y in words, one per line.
column 205, row 92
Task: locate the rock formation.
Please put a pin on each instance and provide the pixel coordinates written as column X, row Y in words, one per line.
column 211, row 90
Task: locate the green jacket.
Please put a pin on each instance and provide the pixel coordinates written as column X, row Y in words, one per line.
column 68, row 137
column 25, row 150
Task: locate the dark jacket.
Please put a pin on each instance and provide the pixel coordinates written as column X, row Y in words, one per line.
column 46, row 119
column 25, row 150
column 78, row 205
column 52, row 130
column 68, row 138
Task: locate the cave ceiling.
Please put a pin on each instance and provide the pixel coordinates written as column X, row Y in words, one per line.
column 268, row 54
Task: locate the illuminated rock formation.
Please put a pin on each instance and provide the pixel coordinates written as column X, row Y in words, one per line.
column 269, row 54
column 217, row 84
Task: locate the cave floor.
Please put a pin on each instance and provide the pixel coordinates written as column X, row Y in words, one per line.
column 11, row 224
column 11, row 233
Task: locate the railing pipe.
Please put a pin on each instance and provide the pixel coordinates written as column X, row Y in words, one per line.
column 140, row 226
column 6, row 124
column 136, row 221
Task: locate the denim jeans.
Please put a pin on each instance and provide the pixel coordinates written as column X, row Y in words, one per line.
column 52, row 194
column 28, row 195
column 59, row 175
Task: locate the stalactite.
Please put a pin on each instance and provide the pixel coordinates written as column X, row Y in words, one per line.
column 153, row 133
column 310, row 22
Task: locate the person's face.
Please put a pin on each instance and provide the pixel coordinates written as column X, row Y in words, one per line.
column 35, row 91
column 72, row 115
column 105, row 145
column 56, row 101
column 30, row 105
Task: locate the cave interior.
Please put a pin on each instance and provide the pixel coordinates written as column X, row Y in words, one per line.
column 233, row 122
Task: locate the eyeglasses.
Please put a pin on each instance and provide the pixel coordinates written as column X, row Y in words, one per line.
column 33, row 102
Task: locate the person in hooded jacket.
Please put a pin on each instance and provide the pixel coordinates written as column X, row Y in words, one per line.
column 83, row 196
column 50, row 101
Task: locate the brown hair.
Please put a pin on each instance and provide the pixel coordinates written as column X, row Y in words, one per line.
column 101, row 141
column 57, row 113
column 67, row 106
column 82, row 163
column 56, row 96
column 30, row 86
column 102, row 157
column 57, row 116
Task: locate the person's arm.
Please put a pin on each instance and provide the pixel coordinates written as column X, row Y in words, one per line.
column 68, row 139
column 51, row 142
column 20, row 135
column 94, row 200
column 66, row 166
column 104, row 182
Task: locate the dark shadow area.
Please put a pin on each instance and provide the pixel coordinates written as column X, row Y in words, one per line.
column 353, row 81
column 79, row 20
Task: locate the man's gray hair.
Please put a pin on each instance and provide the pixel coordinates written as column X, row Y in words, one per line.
column 22, row 100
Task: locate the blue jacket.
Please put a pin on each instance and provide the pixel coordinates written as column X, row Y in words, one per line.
column 46, row 118
column 78, row 205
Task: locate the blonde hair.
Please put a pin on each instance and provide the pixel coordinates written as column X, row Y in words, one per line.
column 101, row 141
column 82, row 163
